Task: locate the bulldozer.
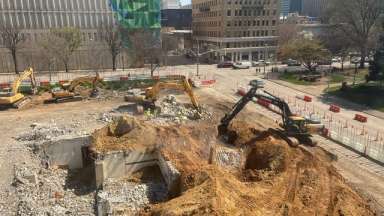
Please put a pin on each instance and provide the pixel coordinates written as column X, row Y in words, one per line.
column 14, row 98
column 67, row 91
column 294, row 129
column 147, row 100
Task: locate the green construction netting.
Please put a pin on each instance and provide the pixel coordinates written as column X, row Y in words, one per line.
column 137, row 14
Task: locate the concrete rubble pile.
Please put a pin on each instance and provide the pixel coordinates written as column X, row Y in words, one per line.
column 130, row 197
column 173, row 111
column 49, row 192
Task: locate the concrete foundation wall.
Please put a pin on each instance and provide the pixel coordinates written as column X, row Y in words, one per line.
column 65, row 152
column 121, row 164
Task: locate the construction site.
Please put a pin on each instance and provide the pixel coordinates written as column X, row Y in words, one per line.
column 171, row 146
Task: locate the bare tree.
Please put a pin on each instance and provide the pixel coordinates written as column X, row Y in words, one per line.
column 12, row 38
column 335, row 41
column 168, row 43
column 62, row 43
column 111, row 36
column 308, row 52
column 357, row 19
column 145, row 47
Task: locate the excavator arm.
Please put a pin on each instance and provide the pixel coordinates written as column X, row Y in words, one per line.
column 81, row 80
column 27, row 73
column 182, row 85
column 226, row 120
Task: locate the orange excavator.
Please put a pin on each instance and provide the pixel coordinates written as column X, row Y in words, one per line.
column 14, row 98
column 67, row 91
column 147, row 101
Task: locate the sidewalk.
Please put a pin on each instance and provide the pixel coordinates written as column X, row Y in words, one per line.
column 331, row 99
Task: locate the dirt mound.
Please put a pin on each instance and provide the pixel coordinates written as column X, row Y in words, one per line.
column 124, row 134
column 276, row 180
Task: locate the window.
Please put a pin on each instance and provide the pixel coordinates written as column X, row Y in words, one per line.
column 240, row 12
column 228, row 12
column 240, row 23
column 262, row 23
column 258, row 22
column 273, row 22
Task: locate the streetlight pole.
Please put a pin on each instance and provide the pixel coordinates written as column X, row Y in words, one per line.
column 354, row 76
column 265, row 53
column 198, row 58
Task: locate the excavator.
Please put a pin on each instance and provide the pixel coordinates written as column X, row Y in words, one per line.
column 147, row 101
column 67, row 91
column 294, row 129
column 14, row 98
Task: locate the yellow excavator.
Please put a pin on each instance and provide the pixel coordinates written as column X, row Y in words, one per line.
column 67, row 91
column 147, row 101
column 14, row 98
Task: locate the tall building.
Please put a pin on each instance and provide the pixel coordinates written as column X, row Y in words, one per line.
column 284, row 7
column 170, row 4
column 239, row 29
column 35, row 18
column 296, row 6
column 313, row 8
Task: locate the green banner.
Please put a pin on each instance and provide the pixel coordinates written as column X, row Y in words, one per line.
column 137, row 14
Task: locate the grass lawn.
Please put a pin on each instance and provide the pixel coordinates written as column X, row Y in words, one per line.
column 336, row 78
column 294, row 79
column 370, row 95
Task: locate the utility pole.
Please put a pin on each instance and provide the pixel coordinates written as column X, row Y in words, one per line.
column 354, row 76
column 198, row 57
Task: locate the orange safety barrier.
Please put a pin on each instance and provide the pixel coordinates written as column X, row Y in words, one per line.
column 241, row 92
column 61, row 82
column 263, row 102
column 123, row 78
column 207, row 82
column 307, row 98
column 361, row 118
column 334, row 108
column 4, row 85
column 44, row 83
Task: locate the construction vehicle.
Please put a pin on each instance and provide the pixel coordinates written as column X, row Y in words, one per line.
column 294, row 129
column 67, row 91
column 14, row 98
column 147, row 100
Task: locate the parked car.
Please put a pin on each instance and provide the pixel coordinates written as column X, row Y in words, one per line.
column 291, row 62
column 336, row 60
column 242, row 65
column 225, row 64
column 257, row 82
column 355, row 60
column 260, row 63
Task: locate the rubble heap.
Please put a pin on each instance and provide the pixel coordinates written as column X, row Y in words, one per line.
column 50, row 192
column 130, row 196
column 175, row 112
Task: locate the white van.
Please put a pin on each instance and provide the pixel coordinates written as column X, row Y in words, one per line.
column 242, row 65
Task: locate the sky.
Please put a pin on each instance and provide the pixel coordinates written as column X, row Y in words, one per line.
column 184, row 2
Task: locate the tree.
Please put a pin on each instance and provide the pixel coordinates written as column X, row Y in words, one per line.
column 62, row 43
column 376, row 67
column 307, row 52
column 12, row 38
column 145, row 47
column 337, row 43
column 357, row 18
column 111, row 35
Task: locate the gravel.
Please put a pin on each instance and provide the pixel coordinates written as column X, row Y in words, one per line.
column 48, row 192
column 129, row 197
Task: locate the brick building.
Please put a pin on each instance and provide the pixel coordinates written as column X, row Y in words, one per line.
column 239, row 29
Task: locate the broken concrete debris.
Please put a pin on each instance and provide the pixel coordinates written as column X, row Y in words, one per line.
column 119, row 196
column 50, row 192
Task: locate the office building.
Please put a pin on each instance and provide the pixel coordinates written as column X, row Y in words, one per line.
column 284, row 7
column 313, row 8
column 238, row 29
column 296, row 6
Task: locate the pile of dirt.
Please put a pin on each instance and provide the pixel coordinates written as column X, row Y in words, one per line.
column 124, row 133
column 275, row 179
